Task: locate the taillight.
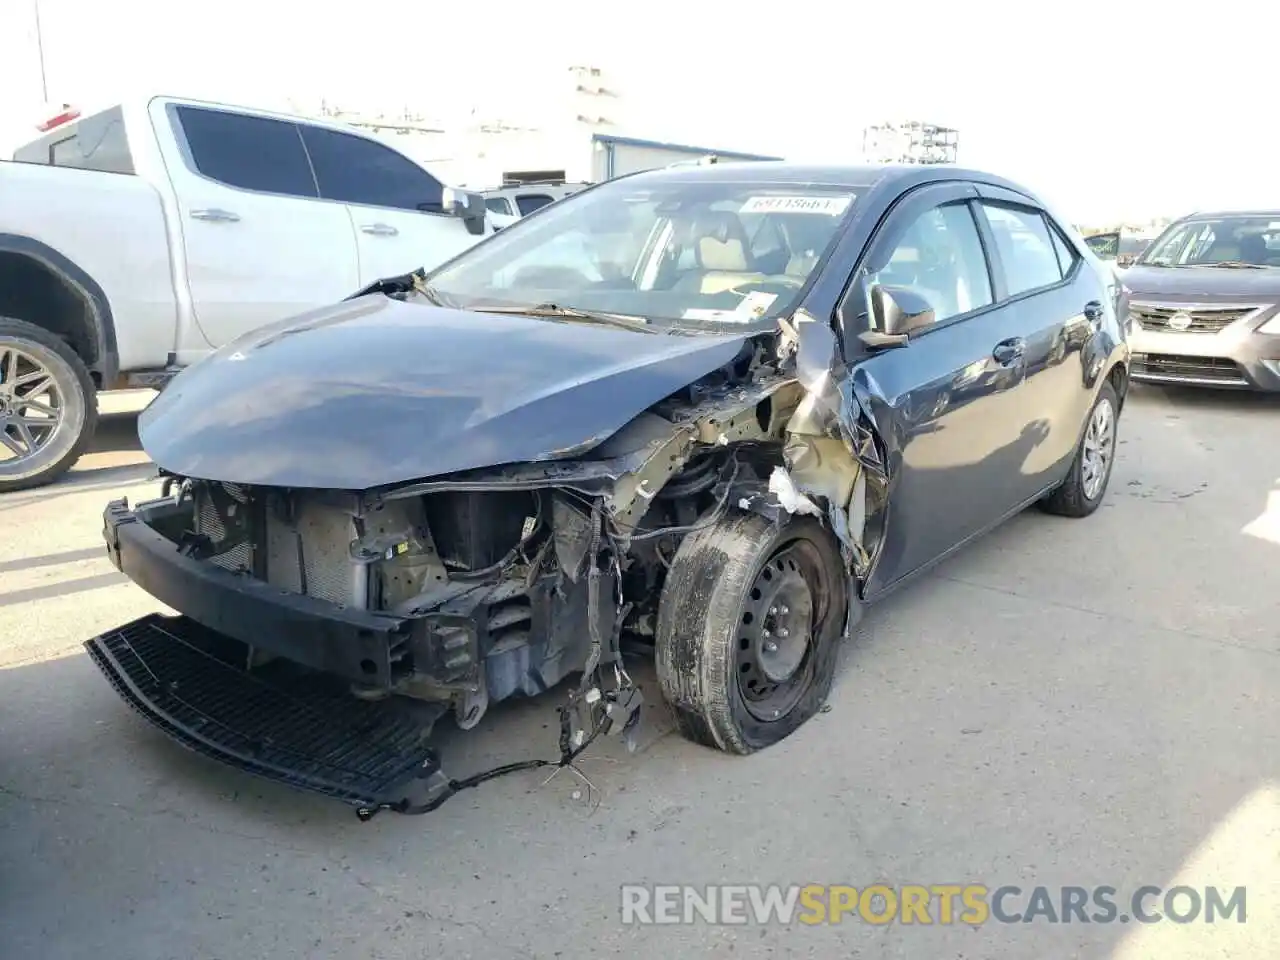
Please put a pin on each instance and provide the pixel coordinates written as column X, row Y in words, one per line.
column 66, row 116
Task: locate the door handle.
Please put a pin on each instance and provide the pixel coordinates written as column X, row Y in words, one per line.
column 1008, row 352
column 1093, row 311
column 379, row 229
column 214, row 214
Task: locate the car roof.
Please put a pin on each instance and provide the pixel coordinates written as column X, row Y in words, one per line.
column 861, row 176
column 1224, row 214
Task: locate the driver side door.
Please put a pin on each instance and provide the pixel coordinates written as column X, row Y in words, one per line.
column 395, row 206
column 945, row 403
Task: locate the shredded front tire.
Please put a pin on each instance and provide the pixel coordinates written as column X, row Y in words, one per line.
column 749, row 622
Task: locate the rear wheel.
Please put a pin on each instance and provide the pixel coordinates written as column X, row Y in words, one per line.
column 749, row 623
column 48, row 406
column 1086, row 484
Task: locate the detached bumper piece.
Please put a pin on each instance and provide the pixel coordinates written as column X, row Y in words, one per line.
column 280, row 722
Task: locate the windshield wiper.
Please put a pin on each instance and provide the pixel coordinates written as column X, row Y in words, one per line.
column 1234, row 265
column 556, row 311
column 432, row 295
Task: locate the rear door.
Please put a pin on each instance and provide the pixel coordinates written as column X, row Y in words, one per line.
column 946, row 404
column 395, row 206
column 258, row 244
column 1058, row 300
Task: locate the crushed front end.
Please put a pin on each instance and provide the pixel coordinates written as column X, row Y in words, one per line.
column 322, row 633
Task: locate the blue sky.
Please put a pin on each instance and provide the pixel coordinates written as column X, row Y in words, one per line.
column 1109, row 110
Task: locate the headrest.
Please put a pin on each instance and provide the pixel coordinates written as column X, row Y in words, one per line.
column 722, row 241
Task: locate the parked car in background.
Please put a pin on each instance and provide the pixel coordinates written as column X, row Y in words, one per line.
column 1104, row 246
column 728, row 406
column 520, row 200
column 135, row 241
column 1130, row 248
column 1203, row 302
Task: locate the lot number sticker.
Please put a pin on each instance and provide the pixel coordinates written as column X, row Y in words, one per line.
column 832, row 206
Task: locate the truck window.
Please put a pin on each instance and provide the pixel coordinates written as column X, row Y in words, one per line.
column 96, row 142
column 529, row 202
column 252, row 153
column 355, row 170
column 499, row 205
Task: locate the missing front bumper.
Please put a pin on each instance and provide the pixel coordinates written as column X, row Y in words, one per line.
column 280, row 722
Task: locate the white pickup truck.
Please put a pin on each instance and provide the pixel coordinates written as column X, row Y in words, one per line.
column 136, row 240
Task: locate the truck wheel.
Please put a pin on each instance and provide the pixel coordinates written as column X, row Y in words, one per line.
column 48, row 406
column 748, row 625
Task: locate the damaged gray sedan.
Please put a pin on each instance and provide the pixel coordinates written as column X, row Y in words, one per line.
column 704, row 413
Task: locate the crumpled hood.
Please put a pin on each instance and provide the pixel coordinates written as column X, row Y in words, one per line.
column 1221, row 284
column 375, row 391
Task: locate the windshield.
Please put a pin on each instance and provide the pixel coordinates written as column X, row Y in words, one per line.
column 701, row 254
column 1226, row 241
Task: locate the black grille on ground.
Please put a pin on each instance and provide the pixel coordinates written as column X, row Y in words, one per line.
column 280, row 722
column 1201, row 319
column 1173, row 366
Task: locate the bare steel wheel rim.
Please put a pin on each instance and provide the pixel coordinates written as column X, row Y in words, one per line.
column 32, row 407
column 778, row 630
column 1099, row 447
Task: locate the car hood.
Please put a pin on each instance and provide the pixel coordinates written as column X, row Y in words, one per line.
column 375, row 392
column 1191, row 283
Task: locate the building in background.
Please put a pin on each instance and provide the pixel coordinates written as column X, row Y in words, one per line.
column 567, row 126
column 910, row 142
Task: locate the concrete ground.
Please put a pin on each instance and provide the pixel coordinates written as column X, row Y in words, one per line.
column 1067, row 702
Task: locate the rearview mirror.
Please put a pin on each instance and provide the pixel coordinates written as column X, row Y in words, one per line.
column 895, row 313
column 468, row 206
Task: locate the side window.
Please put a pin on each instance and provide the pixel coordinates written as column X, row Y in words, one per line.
column 253, row 153
column 529, row 202
column 498, row 205
column 1067, row 256
column 1026, row 250
column 940, row 257
column 355, row 170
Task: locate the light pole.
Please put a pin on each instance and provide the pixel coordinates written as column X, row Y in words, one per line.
column 44, row 84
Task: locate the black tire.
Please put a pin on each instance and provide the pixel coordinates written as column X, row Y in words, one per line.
column 709, row 617
column 1072, row 498
column 64, row 444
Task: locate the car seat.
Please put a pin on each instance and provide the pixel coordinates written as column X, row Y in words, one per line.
column 722, row 253
column 1253, row 249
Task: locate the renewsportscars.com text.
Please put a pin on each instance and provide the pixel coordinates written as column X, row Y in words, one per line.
column 972, row 904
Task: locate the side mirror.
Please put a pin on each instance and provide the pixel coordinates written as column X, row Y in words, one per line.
column 896, row 313
column 468, row 206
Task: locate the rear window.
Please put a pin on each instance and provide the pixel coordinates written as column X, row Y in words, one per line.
column 97, row 142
